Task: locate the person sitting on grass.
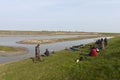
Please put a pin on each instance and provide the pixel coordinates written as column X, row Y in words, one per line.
column 46, row 52
column 73, row 48
column 93, row 52
column 79, row 59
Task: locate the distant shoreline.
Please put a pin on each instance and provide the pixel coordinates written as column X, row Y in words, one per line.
column 15, row 32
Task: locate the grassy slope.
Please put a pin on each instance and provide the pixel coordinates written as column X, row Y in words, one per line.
column 9, row 48
column 61, row 66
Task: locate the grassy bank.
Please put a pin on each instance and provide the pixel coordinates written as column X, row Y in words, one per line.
column 62, row 66
column 10, row 50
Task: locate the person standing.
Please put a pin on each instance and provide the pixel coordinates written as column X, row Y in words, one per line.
column 105, row 41
column 37, row 53
column 102, row 44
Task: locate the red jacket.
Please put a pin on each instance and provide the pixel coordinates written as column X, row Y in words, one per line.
column 93, row 52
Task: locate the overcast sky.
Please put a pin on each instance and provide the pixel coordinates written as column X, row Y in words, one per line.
column 60, row 15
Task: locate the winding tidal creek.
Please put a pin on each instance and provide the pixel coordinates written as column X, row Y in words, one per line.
column 11, row 41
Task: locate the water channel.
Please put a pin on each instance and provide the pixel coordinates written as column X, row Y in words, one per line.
column 11, row 41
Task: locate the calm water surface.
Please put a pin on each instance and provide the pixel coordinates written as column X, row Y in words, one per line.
column 11, row 41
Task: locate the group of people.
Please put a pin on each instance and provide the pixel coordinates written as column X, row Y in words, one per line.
column 38, row 55
column 100, row 44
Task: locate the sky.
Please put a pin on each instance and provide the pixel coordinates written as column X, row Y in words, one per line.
column 60, row 15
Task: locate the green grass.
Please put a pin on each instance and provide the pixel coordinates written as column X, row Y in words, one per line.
column 8, row 48
column 62, row 66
